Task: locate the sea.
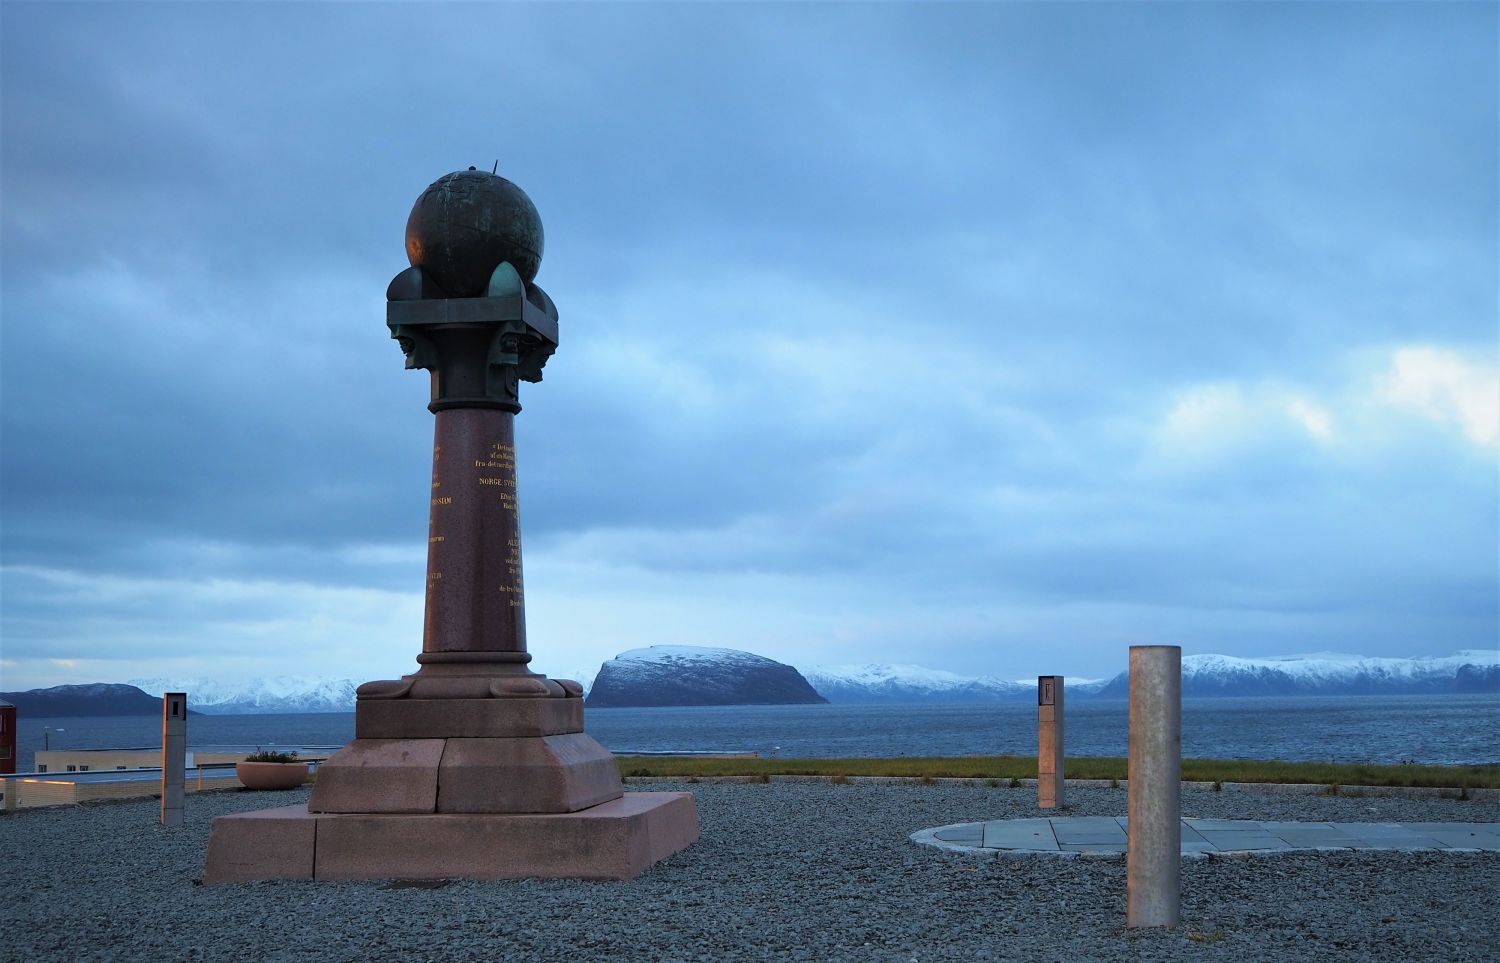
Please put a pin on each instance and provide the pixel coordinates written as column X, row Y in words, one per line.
column 1445, row 729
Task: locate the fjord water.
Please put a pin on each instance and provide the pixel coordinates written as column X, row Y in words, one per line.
column 1452, row 729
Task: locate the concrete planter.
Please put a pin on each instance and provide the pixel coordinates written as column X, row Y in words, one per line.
column 271, row 775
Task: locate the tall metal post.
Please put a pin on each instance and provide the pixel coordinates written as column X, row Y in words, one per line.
column 1153, row 860
column 173, row 755
column 1049, row 738
column 8, row 755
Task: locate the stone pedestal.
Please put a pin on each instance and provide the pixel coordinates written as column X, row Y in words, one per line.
column 614, row 840
column 495, row 788
column 514, row 771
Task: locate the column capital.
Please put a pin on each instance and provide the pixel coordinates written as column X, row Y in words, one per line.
column 478, row 349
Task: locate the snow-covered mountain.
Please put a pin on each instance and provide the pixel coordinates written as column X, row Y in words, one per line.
column 1202, row 675
column 907, row 683
column 1474, row 670
column 276, row 694
column 690, row 675
column 881, row 683
column 94, row 699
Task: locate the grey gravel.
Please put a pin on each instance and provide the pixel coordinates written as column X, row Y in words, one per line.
column 785, row 871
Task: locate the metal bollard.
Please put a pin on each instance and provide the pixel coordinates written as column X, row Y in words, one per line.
column 1049, row 737
column 173, row 756
column 1153, row 861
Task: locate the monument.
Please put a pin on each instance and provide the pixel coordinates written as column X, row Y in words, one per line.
column 472, row 767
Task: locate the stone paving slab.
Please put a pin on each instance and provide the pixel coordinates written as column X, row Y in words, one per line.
column 1315, row 839
column 1026, row 834
column 1226, row 841
column 1191, row 836
column 1090, row 839
column 1107, row 835
column 1466, row 838
column 1376, row 830
column 1087, row 834
column 1400, row 842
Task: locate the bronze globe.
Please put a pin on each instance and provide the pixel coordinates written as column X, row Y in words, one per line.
column 465, row 224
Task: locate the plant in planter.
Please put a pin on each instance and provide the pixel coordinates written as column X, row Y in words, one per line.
column 271, row 770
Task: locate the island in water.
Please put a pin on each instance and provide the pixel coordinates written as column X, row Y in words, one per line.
column 684, row 675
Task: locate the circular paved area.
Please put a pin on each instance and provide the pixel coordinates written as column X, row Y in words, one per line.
column 1106, row 835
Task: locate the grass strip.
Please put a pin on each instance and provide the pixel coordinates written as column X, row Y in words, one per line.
column 1104, row 767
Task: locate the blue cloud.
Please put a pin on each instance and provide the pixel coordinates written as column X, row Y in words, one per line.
column 884, row 328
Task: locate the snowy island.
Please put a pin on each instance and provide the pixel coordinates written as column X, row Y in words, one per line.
column 687, row 675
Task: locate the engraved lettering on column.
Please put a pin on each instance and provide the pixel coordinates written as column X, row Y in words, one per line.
column 434, row 538
column 503, row 458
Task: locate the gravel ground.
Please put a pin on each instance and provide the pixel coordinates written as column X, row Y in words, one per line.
column 784, row 871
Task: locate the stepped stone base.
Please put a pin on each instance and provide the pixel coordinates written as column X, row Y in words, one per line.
column 469, row 769
column 540, row 774
column 616, row 840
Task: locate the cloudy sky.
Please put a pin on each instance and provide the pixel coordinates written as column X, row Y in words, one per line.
column 992, row 338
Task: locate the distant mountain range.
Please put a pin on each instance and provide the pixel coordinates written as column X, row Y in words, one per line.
column 864, row 684
column 1329, row 674
column 280, row 694
column 95, row 699
column 1202, row 676
column 697, row 675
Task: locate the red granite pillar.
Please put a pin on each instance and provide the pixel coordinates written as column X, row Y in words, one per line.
column 475, row 595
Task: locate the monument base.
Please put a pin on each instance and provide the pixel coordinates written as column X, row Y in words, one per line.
column 617, row 840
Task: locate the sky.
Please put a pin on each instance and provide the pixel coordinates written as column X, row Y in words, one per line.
column 993, row 338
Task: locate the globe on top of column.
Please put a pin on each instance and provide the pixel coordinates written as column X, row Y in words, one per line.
column 465, row 224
